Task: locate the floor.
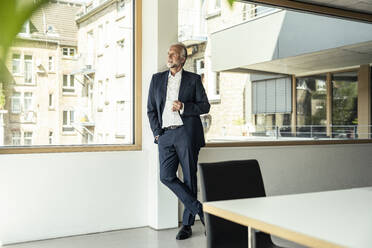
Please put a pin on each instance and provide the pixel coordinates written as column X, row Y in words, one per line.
column 133, row 238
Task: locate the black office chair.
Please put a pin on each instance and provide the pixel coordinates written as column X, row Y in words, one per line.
column 227, row 181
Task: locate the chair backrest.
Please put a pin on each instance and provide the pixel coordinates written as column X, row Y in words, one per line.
column 226, row 181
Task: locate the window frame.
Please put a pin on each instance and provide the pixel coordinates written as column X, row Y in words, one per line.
column 137, row 105
column 19, row 61
column 68, row 50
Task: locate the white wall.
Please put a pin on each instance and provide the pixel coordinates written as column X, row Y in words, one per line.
column 300, row 169
column 52, row 195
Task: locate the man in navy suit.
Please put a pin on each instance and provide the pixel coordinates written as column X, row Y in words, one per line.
column 176, row 100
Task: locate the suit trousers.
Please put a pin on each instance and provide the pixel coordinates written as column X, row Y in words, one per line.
column 174, row 148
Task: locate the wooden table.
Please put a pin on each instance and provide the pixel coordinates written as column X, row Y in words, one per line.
column 341, row 218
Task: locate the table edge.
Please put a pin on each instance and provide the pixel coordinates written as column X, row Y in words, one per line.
column 278, row 231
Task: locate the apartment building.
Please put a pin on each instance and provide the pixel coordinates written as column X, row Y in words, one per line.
column 105, row 71
column 42, row 55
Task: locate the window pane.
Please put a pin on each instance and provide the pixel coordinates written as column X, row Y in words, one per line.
column 345, row 105
column 56, row 88
column 72, row 51
column 64, row 117
column 65, row 51
column 72, row 78
column 28, row 69
column 16, row 63
column 311, row 106
column 65, row 83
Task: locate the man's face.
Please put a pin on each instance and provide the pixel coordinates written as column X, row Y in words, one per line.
column 174, row 57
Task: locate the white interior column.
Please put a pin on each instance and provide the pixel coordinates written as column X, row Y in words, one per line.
column 160, row 29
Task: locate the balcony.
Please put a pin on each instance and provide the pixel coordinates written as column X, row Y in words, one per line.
column 291, row 43
column 192, row 27
column 86, row 64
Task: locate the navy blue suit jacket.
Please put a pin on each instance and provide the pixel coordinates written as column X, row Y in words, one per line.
column 193, row 97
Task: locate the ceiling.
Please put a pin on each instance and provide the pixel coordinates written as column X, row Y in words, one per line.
column 364, row 6
column 349, row 9
column 322, row 61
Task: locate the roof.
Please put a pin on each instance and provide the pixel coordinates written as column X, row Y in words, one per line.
column 56, row 21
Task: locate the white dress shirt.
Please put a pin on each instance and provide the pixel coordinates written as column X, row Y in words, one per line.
column 172, row 118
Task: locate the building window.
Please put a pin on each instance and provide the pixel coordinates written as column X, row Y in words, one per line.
column 16, row 103
column 345, row 104
column 68, row 120
column 68, row 84
column 27, row 137
column 214, row 6
column 16, row 138
column 213, row 82
column 272, row 96
column 27, row 100
column 25, row 28
column 50, row 63
column 16, row 63
column 121, row 5
column 28, row 69
column 121, row 119
column 121, row 58
column 68, row 51
column 50, row 137
column 311, row 106
column 100, row 37
column 51, row 101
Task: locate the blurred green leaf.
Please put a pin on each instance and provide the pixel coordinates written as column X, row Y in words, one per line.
column 13, row 14
column 231, row 2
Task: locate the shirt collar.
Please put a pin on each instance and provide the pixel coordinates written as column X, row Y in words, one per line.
column 177, row 75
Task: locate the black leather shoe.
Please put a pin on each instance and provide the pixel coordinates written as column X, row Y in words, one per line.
column 184, row 233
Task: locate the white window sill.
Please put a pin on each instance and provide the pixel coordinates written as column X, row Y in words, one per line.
column 69, row 57
column 120, row 17
column 69, row 133
column 119, row 75
column 213, row 14
column 69, row 94
column 214, row 99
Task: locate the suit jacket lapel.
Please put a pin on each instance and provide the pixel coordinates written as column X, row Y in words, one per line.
column 164, row 85
column 182, row 86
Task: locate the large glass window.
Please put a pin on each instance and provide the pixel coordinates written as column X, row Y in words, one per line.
column 278, row 81
column 77, row 87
